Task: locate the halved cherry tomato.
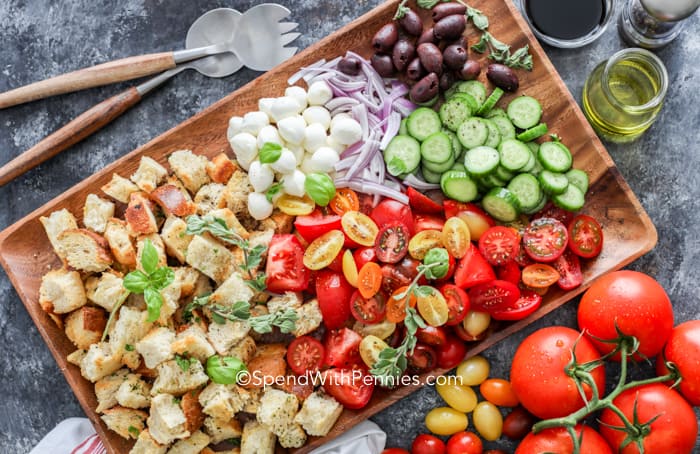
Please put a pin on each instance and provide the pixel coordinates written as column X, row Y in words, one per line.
column 457, row 303
column 359, row 228
column 432, row 306
column 432, row 335
column 305, row 354
column 349, row 268
column 369, row 279
column 285, row 268
column 323, row 250
column 421, row 203
column 348, row 387
column 295, row 206
column 342, row 348
column 396, row 304
column 394, row 276
column 475, row 218
column 569, row 267
column 337, row 263
column 523, row 259
column 451, row 267
column 494, row 297
column 545, row 239
column 451, row 353
column 453, row 208
column 345, row 200
column 499, row 245
column 316, row 224
column 473, row 269
column 509, row 272
column 389, row 210
column 363, row 255
column 423, row 358
column 456, row 237
column 368, row 310
column 423, row 241
column 428, row 222
column 552, row 211
column 585, row 236
column 528, row 303
column 333, row 293
column 539, row 275
column 391, row 244
column 366, row 203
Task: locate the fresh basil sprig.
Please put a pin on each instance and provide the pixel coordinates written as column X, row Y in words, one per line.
column 150, row 281
column 270, row 152
column 320, row 188
column 224, row 370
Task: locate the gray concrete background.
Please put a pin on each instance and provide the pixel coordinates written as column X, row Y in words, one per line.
column 42, row 38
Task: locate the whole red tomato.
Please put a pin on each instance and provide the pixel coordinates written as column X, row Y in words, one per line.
column 632, row 301
column 464, row 443
column 558, row 440
column 538, row 375
column 427, row 444
column 683, row 349
column 674, row 430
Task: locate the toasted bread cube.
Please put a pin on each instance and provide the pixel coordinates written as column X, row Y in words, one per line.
column 175, row 239
column 254, row 401
column 157, row 243
column 85, row 250
column 119, row 240
column 208, row 450
column 76, row 357
column 281, row 303
column 61, row 291
column 278, row 222
column 193, row 341
column 257, row 439
column 120, row 420
column 226, row 335
column 293, row 436
column 131, row 358
column 268, row 364
column 192, row 445
column 236, row 193
column 96, row 212
column 106, row 389
column 134, row 392
column 231, row 221
column 210, row 257
column 222, row 429
column 244, row 349
column 149, row 174
column 277, row 410
column 173, row 200
column 84, row 326
column 222, row 401
column 232, row 290
column 145, row 444
column 192, row 410
column 105, row 290
column 210, row 197
column 119, row 188
column 57, row 223
column 190, row 168
column 156, row 346
column 220, row 168
column 130, row 327
column 309, row 318
column 173, row 380
column 186, row 277
column 318, row 414
column 166, row 421
column 139, row 215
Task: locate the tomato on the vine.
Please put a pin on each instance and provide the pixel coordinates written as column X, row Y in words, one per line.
column 559, row 440
column 683, row 349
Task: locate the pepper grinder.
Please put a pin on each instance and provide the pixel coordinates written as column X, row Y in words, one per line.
column 654, row 23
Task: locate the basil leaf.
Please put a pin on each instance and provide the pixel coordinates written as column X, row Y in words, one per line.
column 320, row 188
column 224, row 370
column 162, row 277
column 136, row 281
column 154, row 301
column 270, row 152
column 440, row 259
column 183, row 362
column 149, row 257
column 273, row 191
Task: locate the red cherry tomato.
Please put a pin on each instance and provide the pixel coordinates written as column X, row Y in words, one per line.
column 451, row 353
column 495, row 297
column 389, row 210
column 465, row 443
column 348, row 387
column 545, row 239
column 285, row 268
column 337, row 263
column 368, row 310
column 427, row 444
column 363, row 255
column 428, row 222
column 509, row 272
column 421, row 203
column 457, row 303
column 683, row 349
column 453, row 208
column 473, row 269
column 342, row 348
column 391, row 244
column 528, row 303
column 423, row 358
column 432, row 335
column 305, row 354
column 585, row 236
column 569, row 268
column 333, row 293
column 395, row 451
column 316, row 224
column 499, row 245
column 552, row 211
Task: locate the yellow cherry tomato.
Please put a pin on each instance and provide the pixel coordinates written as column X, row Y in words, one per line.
column 488, row 421
column 461, row 398
column 445, row 421
column 350, row 268
column 295, row 206
column 360, row 228
column 432, row 306
column 370, row 348
column 323, row 250
column 456, row 237
column 473, row 371
column 475, row 323
column 424, row 241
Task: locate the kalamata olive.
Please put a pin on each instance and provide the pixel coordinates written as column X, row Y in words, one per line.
column 415, row 70
column 430, row 57
column 404, row 51
column 385, row 38
column 446, row 80
column 454, row 56
column 412, row 23
column 350, row 66
column 425, row 89
column 502, row 76
column 461, row 41
column 450, row 27
column 383, row 65
column 427, row 37
column 448, row 9
column 470, row 70
column 518, row 423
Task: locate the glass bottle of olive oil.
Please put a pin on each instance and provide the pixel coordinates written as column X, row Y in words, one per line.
column 623, row 95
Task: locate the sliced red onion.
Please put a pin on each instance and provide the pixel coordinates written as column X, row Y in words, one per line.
column 415, row 182
column 392, row 128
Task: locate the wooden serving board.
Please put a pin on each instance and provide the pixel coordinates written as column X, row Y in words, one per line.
column 26, row 254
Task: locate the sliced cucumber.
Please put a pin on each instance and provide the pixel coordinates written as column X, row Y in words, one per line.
column 578, row 178
column 454, row 111
column 503, row 173
column 457, row 185
column 437, row 148
column 469, row 99
column 496, row 112
column 555, row 156
column 438, row 167
column 553, row 182
column 481, row 160
column 527, row 189
column 429, row 175
column 473, row 132
column 458, row 166
column 538, row 207
column 525, row 112
column 456, row 144
column 502, row 204
column 531, row 162
column 490, row 102
column 514, row 154
column 492, row 180
column 533, row 133
column 494, row 138
column 403, row 130
column 534, row 147
column 571, row 200
column 402, row 155
column 504, row 126
column 474, row 88
column 423, row 123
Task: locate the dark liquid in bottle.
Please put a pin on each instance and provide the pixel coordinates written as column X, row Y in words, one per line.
column 565, row 19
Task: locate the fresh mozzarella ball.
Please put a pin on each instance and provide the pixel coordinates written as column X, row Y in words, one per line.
column 306, row 164
column 258, row 206
column 346, row 131
column 319, row 93
column 338, row 117
column 286, row 162
column 292, row 129
column 265, row 105
column 268, row 134
column 261, row 176
column 284, row 107
column 317, row 114
column 253, row 122
column 244, row 146
column 324, row 160
column 293, row 183
column 314, row 137
column 334, row 144
column 298, row 151
column 234, row 126
column 297, row 93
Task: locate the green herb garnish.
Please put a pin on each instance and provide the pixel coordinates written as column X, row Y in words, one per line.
column 225, row 370
column 273, row 191
column 184, row 362
column 500, row 52
column 150, row 281
column 320, row 188
column 134, row 431
column 240, row 312
column 270, row 152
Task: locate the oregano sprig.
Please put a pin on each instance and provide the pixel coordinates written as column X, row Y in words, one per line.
column 240, row 311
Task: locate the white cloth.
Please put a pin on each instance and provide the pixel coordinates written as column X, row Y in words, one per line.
column 77, row 436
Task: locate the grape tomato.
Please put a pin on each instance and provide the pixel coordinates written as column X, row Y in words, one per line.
column 445, row 421
column 359, row 228
column 456, row 237
column 539, row 275
column 488, row 421
column 473, row 371
column 461, row 398
column 499, row 392
column 585, row 236
column 323, row 250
